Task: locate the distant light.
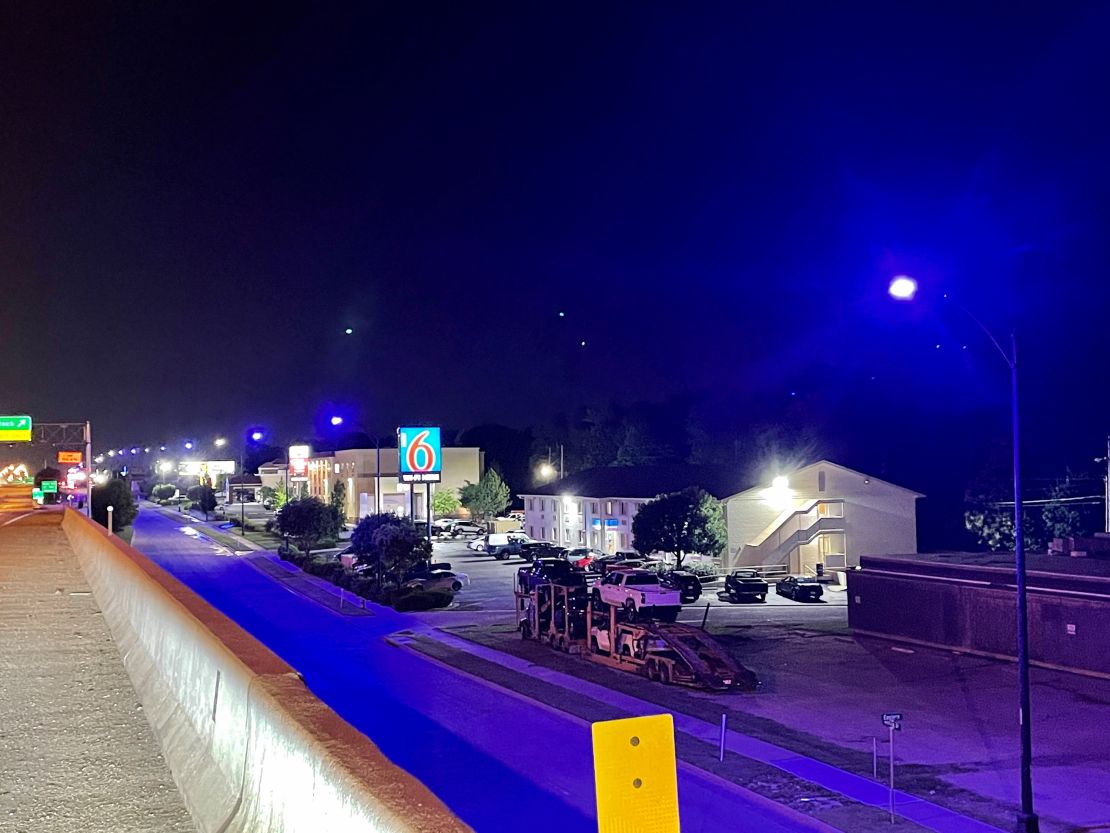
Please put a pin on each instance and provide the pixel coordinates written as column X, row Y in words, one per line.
column 780, row 496
column 135, row 450
column 123, row 451
column 220, row 442
column 161, row 448
column 903, row 288
column 100, row 459
column 547, row 470
column 337, row 420
column 146, row 450
column 189, row 446
column 256, row 436
column 165, row 467
column 562, row 314
column 348, row 331
column 582, row 344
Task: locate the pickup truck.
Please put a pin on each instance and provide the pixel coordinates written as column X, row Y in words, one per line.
column 638, row 593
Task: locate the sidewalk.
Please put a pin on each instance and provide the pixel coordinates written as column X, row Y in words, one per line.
column 841, row 799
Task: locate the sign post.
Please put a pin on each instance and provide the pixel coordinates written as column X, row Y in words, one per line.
column 892, row 721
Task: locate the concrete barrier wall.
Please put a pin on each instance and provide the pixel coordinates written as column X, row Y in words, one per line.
column 250, row 747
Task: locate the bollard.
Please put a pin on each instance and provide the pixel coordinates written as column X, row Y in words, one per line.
column 705, row 618
column 724, row 718
column 110, row 520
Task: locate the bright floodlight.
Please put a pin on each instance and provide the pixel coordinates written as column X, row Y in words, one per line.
column 166, row 467
column 189, row 446
column 256, row 436
column 780, row 482
column 348, row 331
column 547, row 470
column 337, row 420
column 903, row 288
column 220, row 442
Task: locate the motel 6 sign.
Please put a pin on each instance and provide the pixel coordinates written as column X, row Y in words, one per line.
column 420, row 453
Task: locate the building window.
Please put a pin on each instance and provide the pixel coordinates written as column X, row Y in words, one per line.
column 830, row 510
column 566, row 535
column 593, row 507
column 624, row 510
column 624, row 540
column 531, row 504
column 532, row 532
column 581, row 537
column 821, row 480
column 555, row 534
column 608, row 507
column 831, row 544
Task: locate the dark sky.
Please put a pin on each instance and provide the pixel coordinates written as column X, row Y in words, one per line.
column 197, row 200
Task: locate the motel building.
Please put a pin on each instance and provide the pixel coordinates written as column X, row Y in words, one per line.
column 820, row 514
column 357, row 468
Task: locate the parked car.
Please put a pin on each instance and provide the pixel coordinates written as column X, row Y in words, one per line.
column 443, row 526
column 582, row 557
column 687, row 584
column 745, row 584
column 467, row 528
column 541, row 549
column 800, row 587
column 438, row 580
column 605, row 563
column 543, row 571
column 476, row 544
column 501, row 545
column 638, row 592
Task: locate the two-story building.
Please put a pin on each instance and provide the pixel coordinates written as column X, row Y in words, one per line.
column 370, row 489
column 823, row 513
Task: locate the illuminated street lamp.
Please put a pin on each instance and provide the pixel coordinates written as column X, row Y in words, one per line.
column 220, row 442
column 336, row 421
column 189, row 445
column 165, row 467
column 547, row 470
column 256, row 436
column 904, row 288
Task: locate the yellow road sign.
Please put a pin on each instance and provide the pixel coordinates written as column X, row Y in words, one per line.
column 69, row 456
column 15, row 429
column 635, row 776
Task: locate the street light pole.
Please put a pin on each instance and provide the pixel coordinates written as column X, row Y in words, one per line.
column 1027, row 819
column 904, row 288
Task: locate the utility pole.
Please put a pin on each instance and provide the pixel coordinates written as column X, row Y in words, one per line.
column 1106, row 488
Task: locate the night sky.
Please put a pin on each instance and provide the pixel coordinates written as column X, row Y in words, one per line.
column 715, row 196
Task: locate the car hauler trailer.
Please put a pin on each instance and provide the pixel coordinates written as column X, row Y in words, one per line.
column 568, row 619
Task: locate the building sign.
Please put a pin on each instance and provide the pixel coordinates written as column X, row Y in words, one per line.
column 70, row 457
column 420, row 454
column 201, row 468
column 15, row 429
column 298, row 462
column 609, row 523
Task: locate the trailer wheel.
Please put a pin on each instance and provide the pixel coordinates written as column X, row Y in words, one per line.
column 652, row 670
column 630, row 609
column 525, row 630
column 665, row 675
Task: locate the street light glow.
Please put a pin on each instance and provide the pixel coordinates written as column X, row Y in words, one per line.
column 220, row 442
column 348, row 331
column 165, row 467
column 903, row 288
column 256, row 436
column 337, row 420
column 189, row 446
column 547, row 470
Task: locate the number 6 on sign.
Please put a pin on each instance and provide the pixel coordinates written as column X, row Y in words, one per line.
column 634, row 775
column 421, row 458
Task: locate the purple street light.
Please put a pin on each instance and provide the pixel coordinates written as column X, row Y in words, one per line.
column 903, row 288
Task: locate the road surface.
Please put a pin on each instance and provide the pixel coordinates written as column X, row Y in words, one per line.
column 500, row 763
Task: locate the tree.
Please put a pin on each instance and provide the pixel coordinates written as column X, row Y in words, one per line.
column 681, row 523
column 1061, row 517
column 487, row 498
column 164, row 491
column 389, row 543
column 203, row 497
column 445, row 502
column 989, row 506
column 306, row 521
column 117, row 494
column 280, row 495
column 338, row 504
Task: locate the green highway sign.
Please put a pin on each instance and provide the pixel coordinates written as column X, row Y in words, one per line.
column 36, row 494
column 15, row 429
column 49, row 486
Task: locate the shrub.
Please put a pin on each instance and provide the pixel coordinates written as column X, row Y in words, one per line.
column 164, row 491
column 117, row 494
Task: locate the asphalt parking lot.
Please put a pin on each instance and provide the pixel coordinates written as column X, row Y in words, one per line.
column 489, row 596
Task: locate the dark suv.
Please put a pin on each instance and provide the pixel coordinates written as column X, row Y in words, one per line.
column 541, row 549
column 543, row 571
column 687, row 584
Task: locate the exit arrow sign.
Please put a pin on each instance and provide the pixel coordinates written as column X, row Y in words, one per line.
column 15, row 428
